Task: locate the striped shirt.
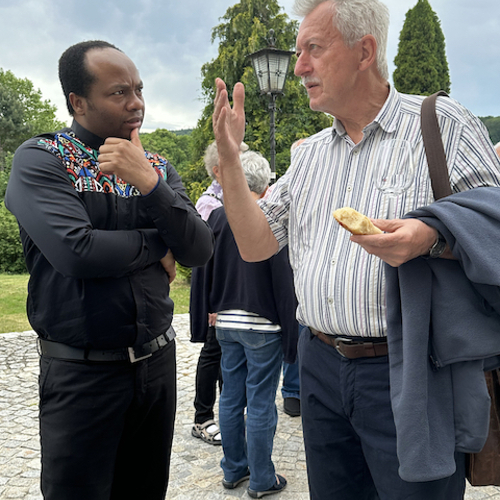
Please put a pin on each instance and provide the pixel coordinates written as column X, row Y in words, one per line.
column 236, row 319
column 339, row 286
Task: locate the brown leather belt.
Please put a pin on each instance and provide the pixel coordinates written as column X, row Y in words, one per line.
column 353, row 348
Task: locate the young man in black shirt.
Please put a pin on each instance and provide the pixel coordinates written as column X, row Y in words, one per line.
column 101, row 222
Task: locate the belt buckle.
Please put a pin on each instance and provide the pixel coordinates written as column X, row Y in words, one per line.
column 39, row 346
column 338, row 340
column 133, row 358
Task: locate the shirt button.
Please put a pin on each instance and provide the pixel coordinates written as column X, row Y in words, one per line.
column 330, row 300
column 355, row 151
column 333, row 262
column 349, row 189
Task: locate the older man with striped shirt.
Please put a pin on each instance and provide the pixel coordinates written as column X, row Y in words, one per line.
column 349, row 429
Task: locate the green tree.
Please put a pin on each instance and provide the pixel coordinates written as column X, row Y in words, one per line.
column 493, row 125
column 11, row 250
column 176, row 148
column 243, row 30
column 23, row 112
column 421, row 64
column 5, row 167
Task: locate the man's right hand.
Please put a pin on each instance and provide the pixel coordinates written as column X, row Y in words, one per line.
column 229, row 123
column 168, row 263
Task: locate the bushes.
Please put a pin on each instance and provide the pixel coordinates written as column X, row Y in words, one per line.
column 11, row 250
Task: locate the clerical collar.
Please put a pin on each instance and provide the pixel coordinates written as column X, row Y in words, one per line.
column 88, row 138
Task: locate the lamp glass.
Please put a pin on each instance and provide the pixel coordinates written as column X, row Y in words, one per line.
column 271, row 67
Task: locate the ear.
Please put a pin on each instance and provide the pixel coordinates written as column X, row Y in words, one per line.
column 79, row 103
column 368, row 47
column 216, row 172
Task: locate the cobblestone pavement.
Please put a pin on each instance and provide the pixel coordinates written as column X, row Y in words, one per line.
column 195, row 471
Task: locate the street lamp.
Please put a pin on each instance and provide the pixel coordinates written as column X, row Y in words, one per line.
column 271, row 67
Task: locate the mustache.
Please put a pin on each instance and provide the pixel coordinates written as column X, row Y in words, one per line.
column 310, row 80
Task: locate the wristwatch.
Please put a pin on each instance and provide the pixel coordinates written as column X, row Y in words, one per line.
column 438, row 248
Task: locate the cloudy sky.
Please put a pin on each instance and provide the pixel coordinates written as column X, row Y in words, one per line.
column 169, row 40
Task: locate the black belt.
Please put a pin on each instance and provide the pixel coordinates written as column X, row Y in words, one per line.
column 132, row 354
column 354, row 348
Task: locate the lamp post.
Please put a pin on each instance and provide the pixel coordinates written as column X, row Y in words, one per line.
column 271, row 67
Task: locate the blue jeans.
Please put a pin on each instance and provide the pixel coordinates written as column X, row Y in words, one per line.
column 349, row 431
column 291, row 384
column 251, row 365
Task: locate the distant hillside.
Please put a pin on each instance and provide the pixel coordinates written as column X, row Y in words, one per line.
column 184, row 131
column 493, row 125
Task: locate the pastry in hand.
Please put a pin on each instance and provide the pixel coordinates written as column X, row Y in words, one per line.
column 355, row 222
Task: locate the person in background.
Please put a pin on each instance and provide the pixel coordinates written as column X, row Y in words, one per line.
column 497, row 148
column 349, row 428
column 290, row 389
column 208, row 374
column 101, row 223
column 255, row 306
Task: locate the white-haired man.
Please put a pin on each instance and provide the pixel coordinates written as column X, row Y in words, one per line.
column 349, row 426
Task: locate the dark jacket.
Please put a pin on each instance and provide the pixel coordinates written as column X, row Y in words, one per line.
column 443, row 327
column 228, row 282
column 92, row 243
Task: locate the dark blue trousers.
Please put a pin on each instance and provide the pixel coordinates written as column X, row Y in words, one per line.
column 349, row 431
column 106, row 428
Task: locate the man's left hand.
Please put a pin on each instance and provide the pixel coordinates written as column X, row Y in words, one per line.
column 126, row 160
column 403, row 240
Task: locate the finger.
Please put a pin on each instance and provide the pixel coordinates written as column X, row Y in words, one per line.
column 135, row 139
column 103, row 157
column 111, row 141
column 239, row 97
column 220, row 84
column 387, row 225
column 221, row 100
column 220, row 126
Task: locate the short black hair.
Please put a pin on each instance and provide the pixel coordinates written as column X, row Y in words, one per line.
column 73, row 73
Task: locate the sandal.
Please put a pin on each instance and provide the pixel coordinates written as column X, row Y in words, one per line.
column 208, row 432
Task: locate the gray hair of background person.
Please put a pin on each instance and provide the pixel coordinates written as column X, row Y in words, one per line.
column 211, row 157
column 257, row 171
column 355, row 19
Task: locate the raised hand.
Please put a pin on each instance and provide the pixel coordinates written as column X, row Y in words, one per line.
column 229, row 123
column 126, row 160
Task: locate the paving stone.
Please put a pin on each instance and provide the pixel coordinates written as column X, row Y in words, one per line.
column 195, row 471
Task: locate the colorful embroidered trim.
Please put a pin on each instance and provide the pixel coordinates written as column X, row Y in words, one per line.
column 83, row 170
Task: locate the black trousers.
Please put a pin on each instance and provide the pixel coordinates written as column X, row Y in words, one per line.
column 106, row 428
column 208, row 375
column 349, row 430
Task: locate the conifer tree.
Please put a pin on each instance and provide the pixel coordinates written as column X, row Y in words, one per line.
column 244, row 29
column 421, row 64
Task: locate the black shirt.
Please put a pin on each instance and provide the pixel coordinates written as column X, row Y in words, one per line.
column 92, row 243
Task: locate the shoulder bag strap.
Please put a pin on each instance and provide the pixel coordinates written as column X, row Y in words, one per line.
column 436, row 158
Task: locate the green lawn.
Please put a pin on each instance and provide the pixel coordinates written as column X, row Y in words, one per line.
column 13, row 292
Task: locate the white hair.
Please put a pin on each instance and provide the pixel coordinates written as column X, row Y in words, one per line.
column 211, row 157
column 257, row 171
column 355, row 19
